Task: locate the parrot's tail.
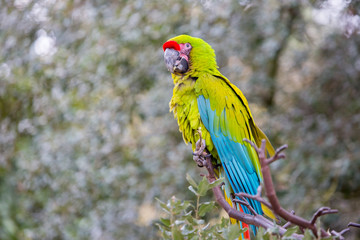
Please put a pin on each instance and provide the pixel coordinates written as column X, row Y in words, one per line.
column 246, row 234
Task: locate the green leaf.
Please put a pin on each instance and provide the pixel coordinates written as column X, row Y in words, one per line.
column 186, row 204
column 163, row 206
column 308, row 235
column 242, row 230
column 190, row 219
column 206, row 207
column 291, row 231
column 162, row 228
column 9, row 226
column 199, row 221
column 206, row 227
column 234, row 232
column 193, row 190
column 176, row 234
column 165, row 221
column 328, row 238
column 178, row 222
column 191, row 181
column 274, row 230
column 217, row 236
column 203, row 186
column 188, row 232
column 260, row 234
column 224, row 222
column 216, row 182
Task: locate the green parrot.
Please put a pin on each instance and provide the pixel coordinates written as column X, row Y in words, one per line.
column 205, row 99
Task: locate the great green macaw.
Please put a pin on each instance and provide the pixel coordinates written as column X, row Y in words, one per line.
column 205, row 99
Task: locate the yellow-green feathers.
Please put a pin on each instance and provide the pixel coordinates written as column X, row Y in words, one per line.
column 204, row 98
column 202, row 56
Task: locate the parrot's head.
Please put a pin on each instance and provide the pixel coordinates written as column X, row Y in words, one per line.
column 184, row 54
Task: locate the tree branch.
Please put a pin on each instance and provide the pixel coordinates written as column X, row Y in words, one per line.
column 256, row 197
column 256, row 220
column 203, row 159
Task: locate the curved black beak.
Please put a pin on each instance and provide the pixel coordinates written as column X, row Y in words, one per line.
column 173, row 61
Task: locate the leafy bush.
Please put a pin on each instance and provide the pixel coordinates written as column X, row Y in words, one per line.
column 187, row 220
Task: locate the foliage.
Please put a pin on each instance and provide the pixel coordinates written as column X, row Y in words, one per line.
column 187, row 221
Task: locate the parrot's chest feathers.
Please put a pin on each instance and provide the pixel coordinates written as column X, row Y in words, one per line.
column 184, row 106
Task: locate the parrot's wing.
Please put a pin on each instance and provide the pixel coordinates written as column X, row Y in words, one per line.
column 236, row 156
column 226, row 116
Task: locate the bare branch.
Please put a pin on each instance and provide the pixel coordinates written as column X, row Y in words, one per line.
column 257, row 220
column 252, row 144
column 278, row 155
column 321, row 212
column 204, row 158
column 340, row 234
column 256, row 197
column 247, row 204
column 351, row 224
column 288, row 224
column 271, row 194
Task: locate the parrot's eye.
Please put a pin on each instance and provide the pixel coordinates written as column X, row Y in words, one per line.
column 187, row 45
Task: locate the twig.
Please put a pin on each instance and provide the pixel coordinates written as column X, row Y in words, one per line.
column 256, row 197
column 243, row 201
column 341, row 233
column 321, row 212
column 351, row 224
column 288, row 224
column 278, row 154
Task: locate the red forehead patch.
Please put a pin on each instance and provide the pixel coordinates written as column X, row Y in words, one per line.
column 171, row 44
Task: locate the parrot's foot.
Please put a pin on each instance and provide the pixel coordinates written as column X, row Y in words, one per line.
column 200, row 154
column 200, row 159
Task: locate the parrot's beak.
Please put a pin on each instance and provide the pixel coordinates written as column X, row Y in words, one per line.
column 175, row 63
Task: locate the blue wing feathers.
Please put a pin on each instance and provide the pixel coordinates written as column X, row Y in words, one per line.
column 203, row 112
column 223, row 124
column 233, row 153
column 216, row 126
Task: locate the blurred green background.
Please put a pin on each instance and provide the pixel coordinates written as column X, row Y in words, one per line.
column 86, row 138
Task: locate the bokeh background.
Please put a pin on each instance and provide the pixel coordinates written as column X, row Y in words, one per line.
column 86, row 138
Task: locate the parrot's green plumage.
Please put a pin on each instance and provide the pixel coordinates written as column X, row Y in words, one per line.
column 204, row 99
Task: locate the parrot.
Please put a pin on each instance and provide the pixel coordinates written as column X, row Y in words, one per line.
column 205, row 99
